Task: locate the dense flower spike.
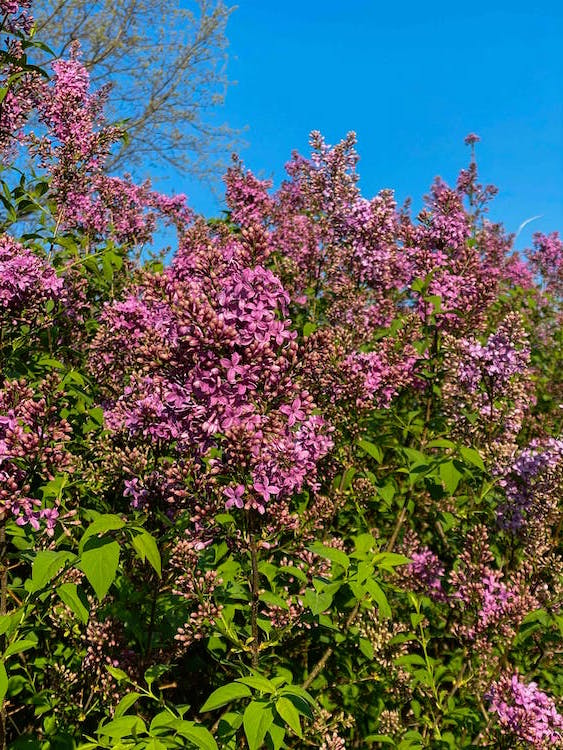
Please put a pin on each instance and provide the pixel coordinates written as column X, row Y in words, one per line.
column 26, row 282
column 532, row 484
column 546, row 259
column 492, row 607
column 525, row 713
column 33, row 449
column 228, row 385
column 485, row 391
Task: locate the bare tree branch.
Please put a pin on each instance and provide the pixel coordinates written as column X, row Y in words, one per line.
column 167, row 67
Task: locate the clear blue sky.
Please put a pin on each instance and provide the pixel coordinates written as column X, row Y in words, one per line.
column 412, row 79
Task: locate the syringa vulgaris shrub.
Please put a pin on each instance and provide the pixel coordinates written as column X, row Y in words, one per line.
column 298, row 487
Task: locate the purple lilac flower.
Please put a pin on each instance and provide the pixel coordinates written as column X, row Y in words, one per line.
column 526, row 713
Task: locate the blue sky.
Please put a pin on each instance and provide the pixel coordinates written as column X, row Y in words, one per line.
column 412, row 80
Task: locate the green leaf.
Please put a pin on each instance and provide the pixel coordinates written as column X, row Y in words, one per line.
column 418, row 285
column 270, row 598
column 411, row 660
column 289, row 714
column 277, row 735
column 330, row 553
column 416, row 458
column 96, row 415
column 3, row 682
column 440, row 443
column 146, row 547
column 317, row 602
column 450, row 476
column 50, row 362
column 124, row 726
column 54, row 488
column 378, row 597
column 366, row 647
column 18, row 647
column 69, row 595
column 373, row 450
column 155, row 672
column 258, row 683
column 99, row 564
column 390, row 560
column 118, row 674
column 125, row 704
column 226, row 694
column 300, row 698
column 387, row 492
column 363, row 543
column 106, row 522
column 257, row 719
column 154, row 744
column 472, row 456
column 9, row 623
column 46, row 565
column 197, row 735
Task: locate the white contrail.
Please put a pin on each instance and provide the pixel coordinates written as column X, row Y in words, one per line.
column 525, row 223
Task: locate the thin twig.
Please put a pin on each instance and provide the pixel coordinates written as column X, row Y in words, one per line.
column 320, row 665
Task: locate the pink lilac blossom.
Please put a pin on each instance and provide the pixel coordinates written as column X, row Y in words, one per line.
column 33, row 445
column 525, row 713
column 517, row 272
column 471, row 138
column 246, row 196
column 546, row 259
column 381, row 377
column 532, row 485
column 194, row 588
column 485, row 390
column 16, row 16
column 445, row 221
column 23, row 91
column 212, row 367
column 425, row 572
column 26, row 281
column 493, row 364
column 487, row 606
column 358, row 257
column 74, row 151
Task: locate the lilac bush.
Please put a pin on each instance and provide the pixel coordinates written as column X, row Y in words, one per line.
column 299, row 486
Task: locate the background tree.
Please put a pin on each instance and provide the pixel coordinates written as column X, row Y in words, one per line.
column 167, row 68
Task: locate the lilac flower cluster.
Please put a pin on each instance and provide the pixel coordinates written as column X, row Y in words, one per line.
column 532, row 485
column 33, row 445
column 488, row 381
column 490, row 607
column 493, row 364
column 16, row 15
column 546, row 259
column 212, row 368
column 425, row 572
column 525, row 713
column 23, row 92
column 381, row 374
column 26, row 282
column 247, row 197
column 74, row 149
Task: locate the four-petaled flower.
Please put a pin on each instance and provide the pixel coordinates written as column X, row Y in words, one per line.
column 294, row 412
column 265, row 489
column 234, row 496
